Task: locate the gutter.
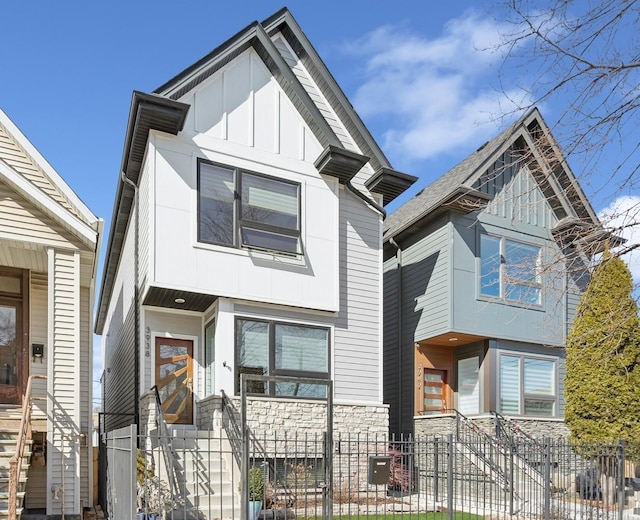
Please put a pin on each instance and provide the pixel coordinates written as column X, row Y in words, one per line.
column 399, row 324
column 370, row 202
column 136, row 301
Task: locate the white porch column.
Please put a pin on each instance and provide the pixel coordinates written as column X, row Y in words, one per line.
column 63, row 384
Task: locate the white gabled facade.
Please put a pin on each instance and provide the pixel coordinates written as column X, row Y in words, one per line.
column 49, row 243
column 253, row 253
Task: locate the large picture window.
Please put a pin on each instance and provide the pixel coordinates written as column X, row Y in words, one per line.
column 509, row 270
column 245, row 209
column 527, row 386
column 274, row 348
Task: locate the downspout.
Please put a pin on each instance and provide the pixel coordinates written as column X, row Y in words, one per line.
column 136, row 297
column 370, row 202
column 399, row 323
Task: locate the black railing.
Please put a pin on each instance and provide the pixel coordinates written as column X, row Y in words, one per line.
column 484, row 447
column 511, row 435
column 165, row 444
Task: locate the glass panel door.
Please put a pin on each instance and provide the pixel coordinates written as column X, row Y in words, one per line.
column 433, row 394
column 10, row 353
column 174, row 379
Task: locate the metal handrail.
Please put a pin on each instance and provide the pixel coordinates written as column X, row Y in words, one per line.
column 510, row 431
column 167, row 450
column 233, row 429
column 16, row 460
column 471, row 436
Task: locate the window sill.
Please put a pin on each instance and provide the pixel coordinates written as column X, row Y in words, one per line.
column 261, row 254
column 511, row 303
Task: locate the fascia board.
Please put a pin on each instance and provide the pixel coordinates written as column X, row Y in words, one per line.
column 86, row 233
column 48, row 169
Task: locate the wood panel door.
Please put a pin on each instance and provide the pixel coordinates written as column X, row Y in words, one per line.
column 434, row 391
column 174, row 379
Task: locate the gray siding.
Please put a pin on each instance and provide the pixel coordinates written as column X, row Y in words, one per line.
column 86, row 389
column 426, row 310
column 357, row 338
column 119, row 371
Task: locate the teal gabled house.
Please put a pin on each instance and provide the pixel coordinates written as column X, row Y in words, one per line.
column 483, row 270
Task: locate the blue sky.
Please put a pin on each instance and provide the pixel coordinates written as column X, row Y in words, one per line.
column 422, row 75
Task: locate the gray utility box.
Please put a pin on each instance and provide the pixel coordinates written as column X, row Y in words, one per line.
column 379, row 470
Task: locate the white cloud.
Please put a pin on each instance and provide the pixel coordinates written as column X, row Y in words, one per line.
column 428, row 90
column 623, row 218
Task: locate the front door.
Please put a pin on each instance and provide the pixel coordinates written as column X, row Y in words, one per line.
column 11, row 359
column 174, row 379
column 433, row 393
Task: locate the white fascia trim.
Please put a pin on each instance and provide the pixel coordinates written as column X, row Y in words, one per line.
column 47, row 168
column 82, row 230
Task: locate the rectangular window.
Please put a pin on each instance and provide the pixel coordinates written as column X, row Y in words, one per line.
column 209, row 350
column 527, row 386
column 469, row 386
column 273, row 348
column 509, row 270
column 244, row 209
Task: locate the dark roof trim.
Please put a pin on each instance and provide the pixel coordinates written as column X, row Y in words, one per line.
column 389, row 183
column 148, row 112
column 254, row 36
column 340, row 163
column 284, row 22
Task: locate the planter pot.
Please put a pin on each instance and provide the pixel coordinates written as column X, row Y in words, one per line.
column 254, row 509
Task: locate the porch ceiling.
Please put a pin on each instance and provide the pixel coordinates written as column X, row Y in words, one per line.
column 177, row 299
column 451, row 339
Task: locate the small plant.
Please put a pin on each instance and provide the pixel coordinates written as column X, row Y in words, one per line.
column 256, row 484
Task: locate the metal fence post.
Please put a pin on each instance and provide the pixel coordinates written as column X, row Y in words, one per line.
column 450, row 478
column 547, row 479
column 621, row 479
column 435, row 469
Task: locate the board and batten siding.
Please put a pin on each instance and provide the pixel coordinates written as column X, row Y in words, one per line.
column 118, row 340
column 242, row 103
column 391, row 376
column 63, row 427
column 357, row 350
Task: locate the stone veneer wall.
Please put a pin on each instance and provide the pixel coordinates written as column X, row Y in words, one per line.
column 538, row 427
column 290, row 416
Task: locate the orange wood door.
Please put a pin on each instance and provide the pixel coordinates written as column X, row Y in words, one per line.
column 174, row 379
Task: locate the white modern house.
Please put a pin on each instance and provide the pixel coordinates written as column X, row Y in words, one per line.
column 247, row 238
column 49, row 244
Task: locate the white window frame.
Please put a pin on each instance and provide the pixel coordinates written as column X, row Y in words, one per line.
column 522, row 396
column 503, row 278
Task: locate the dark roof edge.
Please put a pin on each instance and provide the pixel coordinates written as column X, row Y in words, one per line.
column 137, row 131
column 226, row 46
column 284, row 17
column 389, row 183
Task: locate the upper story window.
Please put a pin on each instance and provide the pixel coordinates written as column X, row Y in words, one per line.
column 510, row 270
column 244, row 209
column 285, row 349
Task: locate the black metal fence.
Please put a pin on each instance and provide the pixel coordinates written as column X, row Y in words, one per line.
column 376, row 477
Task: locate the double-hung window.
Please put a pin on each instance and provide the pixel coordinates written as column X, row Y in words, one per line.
column 510, row 270
column 275, row 348
column 238, row 208
column 527, row 386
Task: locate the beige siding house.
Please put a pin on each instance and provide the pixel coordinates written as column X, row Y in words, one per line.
column 48, row 258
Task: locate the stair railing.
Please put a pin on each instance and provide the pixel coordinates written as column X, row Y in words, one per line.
column 513, row 437
column 480, row 443
column 24, row 434
column 233, row 428
column 165, row 444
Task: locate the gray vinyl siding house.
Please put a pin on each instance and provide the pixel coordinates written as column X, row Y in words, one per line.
column 478, row 293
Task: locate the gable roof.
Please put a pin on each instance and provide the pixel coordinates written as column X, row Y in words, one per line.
column 163, row 111
column 456, row 188
column 29, row 173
